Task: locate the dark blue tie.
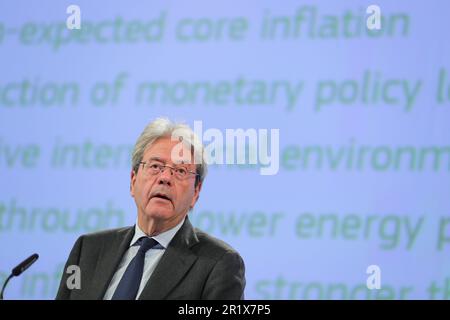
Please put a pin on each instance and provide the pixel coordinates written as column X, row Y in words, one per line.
column 129, row 284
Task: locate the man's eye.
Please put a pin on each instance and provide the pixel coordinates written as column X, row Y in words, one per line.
column 181, row 171
column 154, row 166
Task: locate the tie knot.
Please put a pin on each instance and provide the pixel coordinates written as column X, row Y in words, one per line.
column 146, row 244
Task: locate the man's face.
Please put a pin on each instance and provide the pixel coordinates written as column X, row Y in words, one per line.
column 163, row 197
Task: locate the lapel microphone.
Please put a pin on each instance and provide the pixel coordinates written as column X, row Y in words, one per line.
column 19, row 269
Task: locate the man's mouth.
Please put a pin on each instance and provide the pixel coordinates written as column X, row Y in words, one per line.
column 161, row 196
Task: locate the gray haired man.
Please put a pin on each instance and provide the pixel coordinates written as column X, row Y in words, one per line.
column 162, row 256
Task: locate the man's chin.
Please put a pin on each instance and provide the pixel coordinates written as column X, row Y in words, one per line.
column 159, row 203
column 159, row 212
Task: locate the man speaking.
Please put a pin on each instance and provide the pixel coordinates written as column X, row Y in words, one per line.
column 162, row 256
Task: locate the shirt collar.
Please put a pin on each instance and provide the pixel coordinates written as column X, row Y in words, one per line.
column 163, row 238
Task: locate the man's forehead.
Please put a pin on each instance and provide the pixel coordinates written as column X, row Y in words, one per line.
column 167, row 150
column 166, row 144
column 168, row 160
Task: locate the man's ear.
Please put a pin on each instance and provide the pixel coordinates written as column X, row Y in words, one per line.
column 132, row 182
column 197, row 190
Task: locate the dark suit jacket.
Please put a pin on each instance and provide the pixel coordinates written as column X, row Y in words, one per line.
column 194, row 266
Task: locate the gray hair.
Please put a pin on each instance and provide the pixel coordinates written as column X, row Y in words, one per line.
column 163, row 127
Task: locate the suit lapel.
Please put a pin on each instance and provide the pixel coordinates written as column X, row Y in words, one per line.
column 109, row 259
column 175, row 262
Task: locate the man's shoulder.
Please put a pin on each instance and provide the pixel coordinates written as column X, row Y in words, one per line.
column 105, row 234
column 211, row 246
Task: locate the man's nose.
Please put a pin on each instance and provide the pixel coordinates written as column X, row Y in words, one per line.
column 165, row 177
